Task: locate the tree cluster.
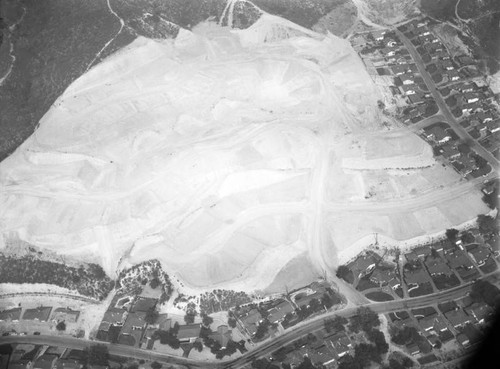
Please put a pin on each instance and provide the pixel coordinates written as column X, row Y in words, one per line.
column 487, row 292
column 365, row 320
column 336, row 324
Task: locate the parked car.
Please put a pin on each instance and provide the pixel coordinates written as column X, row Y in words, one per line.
column 36, row 333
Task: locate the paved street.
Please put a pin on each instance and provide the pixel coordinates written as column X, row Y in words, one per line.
column 266, row 348
column 444, row 109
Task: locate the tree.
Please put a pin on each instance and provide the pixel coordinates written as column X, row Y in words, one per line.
column 207, row 320
column 198, row 346
column 467, row 237
column 61, row 326
column 336, row 324
column 155, row 282
column 487, row 224
column 377, row 337
column 189, row 317
column 342, row 272
column 231, row 322
column 261, row 331
column 452, row 234
column 485, row 291
column 97, row 355
column 365, row 354
column 151, row 316
column 156, row 365
column 365, row 319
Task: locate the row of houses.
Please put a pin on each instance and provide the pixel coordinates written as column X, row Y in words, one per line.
column 461, row 156
column 40, row 314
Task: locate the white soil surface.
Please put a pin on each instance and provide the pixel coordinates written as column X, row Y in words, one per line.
column 225, row 154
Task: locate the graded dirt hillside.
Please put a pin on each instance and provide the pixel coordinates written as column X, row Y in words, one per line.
column 226, row 154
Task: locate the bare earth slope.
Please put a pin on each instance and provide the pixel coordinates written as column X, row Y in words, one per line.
column 225, row 154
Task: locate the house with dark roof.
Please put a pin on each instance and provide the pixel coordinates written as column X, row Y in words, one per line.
column 364, row 264
column 69, row 364
column 463, row 339
column 251, row 321
column 458, row 318
column 471, row 97
column 437, row 266
column 416, row 98
column 11, row 314
column 46, row 361
column 188, row 333
column 340, row 343
column 407, row 79
column 278, row 312
column 438, row 134
column 414, row 278
column 422, row 251
column 222, row 335
column 458, row 259
column 131, row 332
column 143, row 304
column 378, row 35
column 479, row 254
column 41, row 313
column 408, row 89
column 413, row 349
column 65, row 314
column 112, row 316
column 480, row 311
column 385, row 276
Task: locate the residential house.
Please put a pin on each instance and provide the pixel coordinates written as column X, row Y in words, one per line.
column 163, row 322
column 423, row 251
column 364, row 264
column 65, row 314
column 112, row 316
column 439, row 324
column 446, row 64
column 11, row 314
column 458, row 318
column 479, row 254
column 278, row 312
column 133, row 328
column 415, row 278
column 458, row 259
column 493, row 126
column 251, row 321
column 480, row 311
column 427, row 323
column 433, row 340
column 69, row 364
column 463, row 339
column 385, row 276
column 468, row 87
column 340, row 343
column 408, row 89
column 41, row 313
column 416, row 98
column 437, row 266
column 450, row 152
column 400, row 69
column 143, row 304
column 222, row 335
column 188, row 333
column 471, row 97
column 438, row 134
column 413, row 349
column 407, row 79
column 379, row 35
column 46, row 361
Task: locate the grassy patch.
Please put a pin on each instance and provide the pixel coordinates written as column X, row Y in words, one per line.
column 422, row 289
column 445, row 281
column 365, row 283
column 379, row 296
